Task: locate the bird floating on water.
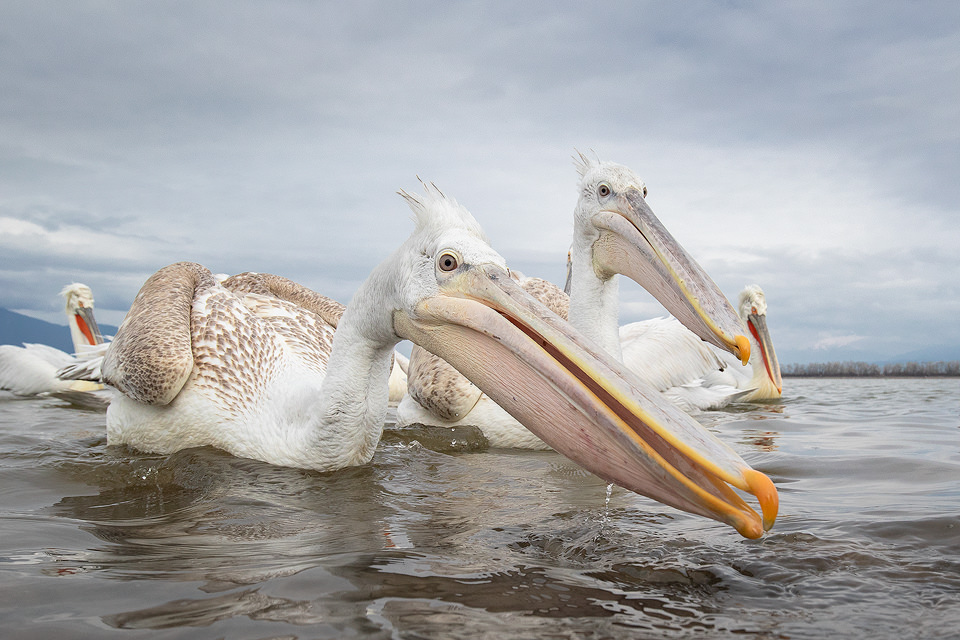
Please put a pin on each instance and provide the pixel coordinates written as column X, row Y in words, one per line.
column 30, row 370
column 702, row 376
column 253, row 366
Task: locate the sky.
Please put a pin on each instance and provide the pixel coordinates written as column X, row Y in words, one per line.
column 812, row 148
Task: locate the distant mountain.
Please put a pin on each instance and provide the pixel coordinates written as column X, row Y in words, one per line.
column 16, row 328
column 805, row 356
column 942, row 353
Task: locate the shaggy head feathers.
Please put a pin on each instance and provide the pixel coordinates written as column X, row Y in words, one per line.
column 752, row 298
column 77, row 295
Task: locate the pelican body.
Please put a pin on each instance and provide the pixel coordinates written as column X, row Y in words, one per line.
column 760, row 378
column 31, row 369
column 259, row 371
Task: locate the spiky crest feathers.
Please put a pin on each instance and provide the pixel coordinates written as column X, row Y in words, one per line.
column 592, row 170
column 435, row 211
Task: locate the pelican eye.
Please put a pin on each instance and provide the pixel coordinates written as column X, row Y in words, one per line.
column 644, row 191
column 753, row 310
column 448, row 261
column 603, row 190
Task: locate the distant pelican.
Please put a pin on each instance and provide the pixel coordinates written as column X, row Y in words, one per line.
column 615, row 232
column 765, row 378
column 263, row 375
column 30, row 370
column 702, row 376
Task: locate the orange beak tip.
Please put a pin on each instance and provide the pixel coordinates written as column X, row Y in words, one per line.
column 743, row 346
column 762, row 487
column 748, row 527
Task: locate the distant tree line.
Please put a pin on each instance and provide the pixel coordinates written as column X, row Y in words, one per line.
column 872, row 370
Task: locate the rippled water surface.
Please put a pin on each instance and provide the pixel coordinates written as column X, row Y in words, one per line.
column 442, row 538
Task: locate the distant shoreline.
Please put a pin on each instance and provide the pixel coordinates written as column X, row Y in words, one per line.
column 939, row 369
column 851, row 375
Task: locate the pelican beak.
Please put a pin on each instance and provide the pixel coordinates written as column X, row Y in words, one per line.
column 758, row 327
column 635, row 243
column 581, row 401
column 88, row 325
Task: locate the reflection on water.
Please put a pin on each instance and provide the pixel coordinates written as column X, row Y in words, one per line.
column 442, row 537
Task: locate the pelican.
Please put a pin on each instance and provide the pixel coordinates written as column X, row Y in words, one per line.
column 615, row 232
column 697, row 381
column 30, row 370
column 259, row 371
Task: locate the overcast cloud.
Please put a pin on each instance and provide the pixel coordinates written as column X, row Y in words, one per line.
column 810, row 147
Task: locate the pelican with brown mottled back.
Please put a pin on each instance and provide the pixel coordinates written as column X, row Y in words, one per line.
column 261, row 373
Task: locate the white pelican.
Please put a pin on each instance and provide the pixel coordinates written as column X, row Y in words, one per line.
column 697, row 381
column 263, row 375
column 615, row 232
column 31, row 369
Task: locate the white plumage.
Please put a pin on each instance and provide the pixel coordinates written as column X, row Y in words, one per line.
column 700, row 384
column 30, row 370
column 647, row 345
column 253, row 365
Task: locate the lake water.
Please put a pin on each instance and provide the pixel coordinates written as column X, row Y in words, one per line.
column 439, row 538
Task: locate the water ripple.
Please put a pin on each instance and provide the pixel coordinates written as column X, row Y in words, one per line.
column 444, row 537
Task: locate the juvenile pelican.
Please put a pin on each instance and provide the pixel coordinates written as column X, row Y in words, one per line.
column 31, row 369
column 263, row 375
column 615, row 232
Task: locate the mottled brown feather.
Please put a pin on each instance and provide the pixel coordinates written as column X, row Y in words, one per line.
column 227, row 341
column 267, row 284
column 150, row 358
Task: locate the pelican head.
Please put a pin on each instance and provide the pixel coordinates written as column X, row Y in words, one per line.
column 615, row 231
column 79, row 309
column 753, row 309
column 456, row 299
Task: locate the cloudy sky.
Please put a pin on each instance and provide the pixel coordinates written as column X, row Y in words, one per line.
column 810, row 147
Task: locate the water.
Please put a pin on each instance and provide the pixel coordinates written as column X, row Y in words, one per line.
column 440, row 538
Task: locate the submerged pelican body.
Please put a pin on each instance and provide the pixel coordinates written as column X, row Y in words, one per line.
column 257, row 370
column 30, row 370
column 615, row 232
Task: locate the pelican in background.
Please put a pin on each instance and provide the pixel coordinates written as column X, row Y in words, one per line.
column 700, row 383
column 30, row 370
column 615, row 232
column 259, row 371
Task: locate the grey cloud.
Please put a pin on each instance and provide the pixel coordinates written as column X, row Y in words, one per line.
column 272, row 137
